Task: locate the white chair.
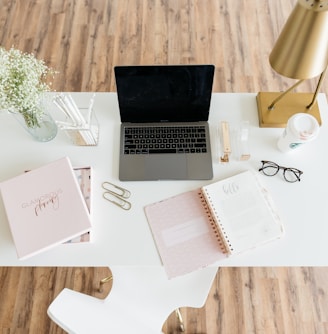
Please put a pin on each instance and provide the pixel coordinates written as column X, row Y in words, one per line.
column 140, row 301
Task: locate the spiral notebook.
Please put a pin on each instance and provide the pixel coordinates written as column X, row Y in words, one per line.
column 200, row 227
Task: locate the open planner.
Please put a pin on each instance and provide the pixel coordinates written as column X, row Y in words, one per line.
column 199, row 227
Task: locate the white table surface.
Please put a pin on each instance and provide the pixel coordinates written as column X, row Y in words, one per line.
column 124, row 238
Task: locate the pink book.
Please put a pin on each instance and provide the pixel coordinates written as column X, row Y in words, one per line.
column 183, row 234
column 197, row 228
column 45, row 207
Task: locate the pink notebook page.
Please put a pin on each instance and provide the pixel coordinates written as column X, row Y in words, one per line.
column 183, row 234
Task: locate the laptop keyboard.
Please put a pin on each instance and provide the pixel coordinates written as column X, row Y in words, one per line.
column 165, row 139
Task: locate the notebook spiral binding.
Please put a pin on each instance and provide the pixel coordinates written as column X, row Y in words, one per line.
column 220, row 235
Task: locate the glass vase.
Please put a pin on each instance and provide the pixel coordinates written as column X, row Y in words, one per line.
column 45, row 131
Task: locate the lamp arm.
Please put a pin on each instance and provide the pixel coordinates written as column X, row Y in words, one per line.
column 322, row 76
column 271, row 106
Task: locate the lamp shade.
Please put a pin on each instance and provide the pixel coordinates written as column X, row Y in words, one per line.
column 301, row 51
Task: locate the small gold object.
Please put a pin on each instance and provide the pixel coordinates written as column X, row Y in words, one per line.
column 225, row 141
column 104, row 281
column 116, row 195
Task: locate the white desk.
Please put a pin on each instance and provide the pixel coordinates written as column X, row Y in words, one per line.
column 124, row 238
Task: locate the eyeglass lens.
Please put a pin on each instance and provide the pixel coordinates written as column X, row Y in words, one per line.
column 270, row 168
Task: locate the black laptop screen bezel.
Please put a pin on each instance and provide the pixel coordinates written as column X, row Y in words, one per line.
column 164, row 93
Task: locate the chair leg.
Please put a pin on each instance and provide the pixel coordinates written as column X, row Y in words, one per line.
column 103, row 281
column 179, row 316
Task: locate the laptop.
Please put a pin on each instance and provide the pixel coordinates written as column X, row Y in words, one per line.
column 164, row 111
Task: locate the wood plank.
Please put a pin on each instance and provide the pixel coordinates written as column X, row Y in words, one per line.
column 261, row 300
column 84, row 40
column 26, row 293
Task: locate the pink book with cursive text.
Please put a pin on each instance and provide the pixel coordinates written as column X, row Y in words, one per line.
column 44, row 207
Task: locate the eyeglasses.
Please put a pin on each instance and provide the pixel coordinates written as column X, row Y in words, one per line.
column 270, row 168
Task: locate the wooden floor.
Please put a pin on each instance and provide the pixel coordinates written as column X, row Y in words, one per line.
column 83, row 40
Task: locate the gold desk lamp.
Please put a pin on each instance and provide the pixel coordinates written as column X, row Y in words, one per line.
column 301, row 52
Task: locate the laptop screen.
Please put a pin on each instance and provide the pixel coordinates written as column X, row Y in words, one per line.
column 164, row 93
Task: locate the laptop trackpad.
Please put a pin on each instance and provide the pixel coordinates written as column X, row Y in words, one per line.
column 166, row 167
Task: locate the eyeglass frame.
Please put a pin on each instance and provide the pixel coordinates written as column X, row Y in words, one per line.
column 295, row 171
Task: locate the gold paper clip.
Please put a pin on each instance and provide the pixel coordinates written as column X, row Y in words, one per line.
column 117, row 196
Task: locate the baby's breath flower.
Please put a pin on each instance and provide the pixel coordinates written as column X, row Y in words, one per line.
column 22, row 83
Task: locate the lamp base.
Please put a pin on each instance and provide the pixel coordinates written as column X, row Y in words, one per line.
column 291, row 104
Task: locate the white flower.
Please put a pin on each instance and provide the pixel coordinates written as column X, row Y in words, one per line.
column 22, row 83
